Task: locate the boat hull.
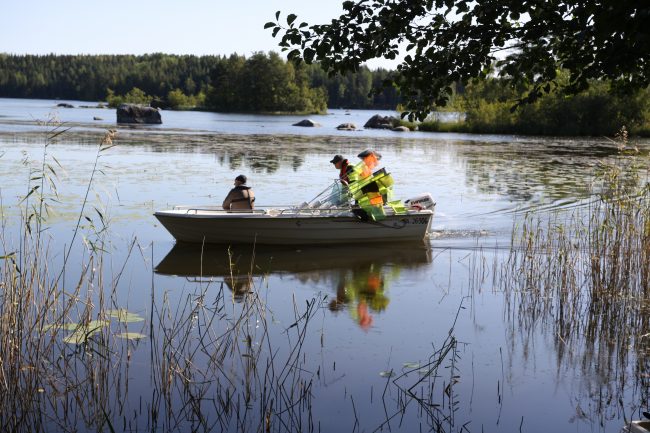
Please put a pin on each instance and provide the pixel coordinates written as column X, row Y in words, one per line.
column 267, row 229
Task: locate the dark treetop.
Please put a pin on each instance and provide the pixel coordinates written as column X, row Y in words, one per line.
column 451, row 41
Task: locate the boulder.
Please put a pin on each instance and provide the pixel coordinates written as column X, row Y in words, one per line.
column 159, row 103
column 401, row 129
column 132, row 113
column 380, row 122
column 307, row 123
column 65, row 105
column 347, row 127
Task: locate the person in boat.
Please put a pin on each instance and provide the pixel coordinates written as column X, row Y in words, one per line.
column 241, row 197
column 370, row 159
column 344, row 168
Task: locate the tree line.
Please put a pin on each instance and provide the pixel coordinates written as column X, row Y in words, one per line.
column 489, row 105
column 259, row 83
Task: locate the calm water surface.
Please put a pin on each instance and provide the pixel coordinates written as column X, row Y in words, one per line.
column 378, row 307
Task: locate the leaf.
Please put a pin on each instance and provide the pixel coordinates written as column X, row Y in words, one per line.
column 83, row 332
column 94, row 325
column 33, row 190
column 291, row 18
column 277, row 15
column 101, row 216
column 65, row 326
column 131, row 335
column 269, row 25
column 75, row 338
column 309, row 55
column 125, row 316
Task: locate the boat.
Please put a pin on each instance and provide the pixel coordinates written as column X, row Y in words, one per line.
column 639, row 426
column 294, row 225
column 358, row 211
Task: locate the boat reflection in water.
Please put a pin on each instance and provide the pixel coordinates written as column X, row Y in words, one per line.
column 359, row 275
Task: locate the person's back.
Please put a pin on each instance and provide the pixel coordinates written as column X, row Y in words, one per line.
column 241, row 197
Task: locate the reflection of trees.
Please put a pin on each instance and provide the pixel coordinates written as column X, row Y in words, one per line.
column 523, row 170
column 260, row 162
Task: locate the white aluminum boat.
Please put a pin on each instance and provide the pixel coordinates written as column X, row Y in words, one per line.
column 294, row 226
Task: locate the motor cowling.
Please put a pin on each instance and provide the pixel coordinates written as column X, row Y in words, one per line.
column 422, row 201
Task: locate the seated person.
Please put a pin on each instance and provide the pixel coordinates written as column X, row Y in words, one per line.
column 344, row 168
column 241, row 197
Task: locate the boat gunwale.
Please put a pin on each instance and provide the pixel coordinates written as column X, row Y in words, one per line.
column 286, row 213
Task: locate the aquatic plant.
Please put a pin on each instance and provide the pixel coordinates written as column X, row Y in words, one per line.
column 584, row 273
column 213, row 362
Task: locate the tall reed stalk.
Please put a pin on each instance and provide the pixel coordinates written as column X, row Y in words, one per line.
column 585, row 275
column 216, row 362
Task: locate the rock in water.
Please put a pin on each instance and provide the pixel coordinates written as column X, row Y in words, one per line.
column 347, row 127
column 307, row 122
column 380, row 122
column 401, row 129
column 132, row 113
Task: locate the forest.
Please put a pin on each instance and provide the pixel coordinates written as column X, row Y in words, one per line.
column 259, row 83
column 267, row 83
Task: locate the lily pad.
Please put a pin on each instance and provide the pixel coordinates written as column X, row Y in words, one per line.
column 131, row 335
column 411, row 365
column 388, row 373
column 65, row 326
column 94, row 325
column 79, row 336
column 75, row 338
column 82, row 332
column 125, row 316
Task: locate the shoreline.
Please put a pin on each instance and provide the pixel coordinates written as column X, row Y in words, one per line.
column 82, row 132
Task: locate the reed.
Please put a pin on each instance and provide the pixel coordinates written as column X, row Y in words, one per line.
column 583, row 275
column 216, row 362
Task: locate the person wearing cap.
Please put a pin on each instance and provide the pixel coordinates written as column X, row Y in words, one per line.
column 343, row 166
column 241, row 197
column 371, row 159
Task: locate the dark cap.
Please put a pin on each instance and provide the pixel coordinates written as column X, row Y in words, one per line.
column 369, row 152
column 336, row 159
column 241, row 178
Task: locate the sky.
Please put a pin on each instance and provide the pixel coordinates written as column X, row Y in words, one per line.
column 200, row 27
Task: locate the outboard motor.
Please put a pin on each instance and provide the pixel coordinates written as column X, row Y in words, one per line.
column 422, row 201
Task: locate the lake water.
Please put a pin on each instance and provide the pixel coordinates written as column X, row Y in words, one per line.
column 372, row 309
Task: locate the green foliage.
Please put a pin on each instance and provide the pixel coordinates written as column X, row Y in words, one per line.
column 177, row 100
column 597, row 111
column 452, row 41
column 437, row 126
column 264, row 83
column 88, row 77
column 260, row 83
column 133, row 96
